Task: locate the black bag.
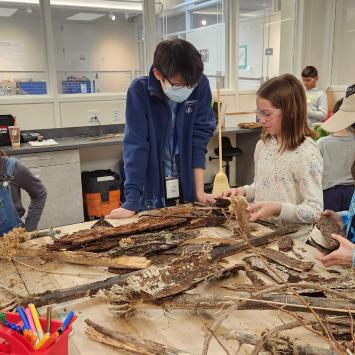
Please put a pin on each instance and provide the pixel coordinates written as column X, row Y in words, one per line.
column 5, row 122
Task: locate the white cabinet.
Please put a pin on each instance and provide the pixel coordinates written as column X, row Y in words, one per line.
column 59, row 171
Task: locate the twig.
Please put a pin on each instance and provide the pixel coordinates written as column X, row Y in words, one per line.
column 352, row 329
column 56, row 273
column 305, row 285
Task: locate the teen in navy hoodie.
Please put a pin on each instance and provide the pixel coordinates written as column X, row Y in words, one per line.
column 169, row 121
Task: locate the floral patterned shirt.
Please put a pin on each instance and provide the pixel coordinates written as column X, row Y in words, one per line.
column 293, row 178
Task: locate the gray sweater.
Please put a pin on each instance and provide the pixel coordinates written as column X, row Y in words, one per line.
column 24, row 179
column 317, row 105
column 338, row 156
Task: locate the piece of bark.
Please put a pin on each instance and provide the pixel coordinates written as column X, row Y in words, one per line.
column 101, row 234
column 129, row 342
column 253, row 276
column 340, row 332
column 149, row 243
column 285, row 260
column 327, row 227
column 238, row 208
column 285, row 244
column 264, row 267
column 101, row 222
column 241, row 245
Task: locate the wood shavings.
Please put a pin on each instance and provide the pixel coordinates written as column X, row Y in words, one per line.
column 9, row 243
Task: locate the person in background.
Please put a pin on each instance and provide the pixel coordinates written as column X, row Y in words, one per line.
column 169, row 121
column 338, row 152
column 288, row 166
column 14, row 177
column 317, row 103
column 345, row 254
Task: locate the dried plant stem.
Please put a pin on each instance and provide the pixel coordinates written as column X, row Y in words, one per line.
column 80, row 274
column 12, row 292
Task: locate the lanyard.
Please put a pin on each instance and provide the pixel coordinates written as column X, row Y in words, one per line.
column 172, row 152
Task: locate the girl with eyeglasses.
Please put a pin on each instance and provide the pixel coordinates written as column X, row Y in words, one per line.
column 287, row 186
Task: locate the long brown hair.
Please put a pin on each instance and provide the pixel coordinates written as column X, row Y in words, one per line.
column 286, row 93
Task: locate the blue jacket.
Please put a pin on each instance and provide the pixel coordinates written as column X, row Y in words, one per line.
column 148, row 116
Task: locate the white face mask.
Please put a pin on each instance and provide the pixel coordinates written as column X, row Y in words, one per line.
column 177, row 94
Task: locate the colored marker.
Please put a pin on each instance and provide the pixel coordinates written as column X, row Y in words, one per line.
column 49, row 317
column 42, row 341
column 36, row 321
column 2, row 318
column 23, row 317
column 66, row 322
column 50, row 340
column 30, row 336
column 30, row 322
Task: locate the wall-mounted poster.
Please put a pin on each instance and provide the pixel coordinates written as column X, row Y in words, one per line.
column 204, row 55
column 243, row 56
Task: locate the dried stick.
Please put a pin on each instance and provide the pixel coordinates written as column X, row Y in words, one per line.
column 80, row 274
column 305, row 285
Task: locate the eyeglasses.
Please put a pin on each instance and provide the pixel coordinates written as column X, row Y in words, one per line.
column 268, row 115
column 178, row 85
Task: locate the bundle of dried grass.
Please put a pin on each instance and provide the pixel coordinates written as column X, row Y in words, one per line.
column 9, row 243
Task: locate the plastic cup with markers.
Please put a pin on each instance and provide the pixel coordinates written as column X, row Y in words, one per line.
column 15, row 137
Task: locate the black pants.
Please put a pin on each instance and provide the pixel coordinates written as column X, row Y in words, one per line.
column 338, row 198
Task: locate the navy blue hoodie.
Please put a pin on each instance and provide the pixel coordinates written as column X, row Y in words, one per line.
column 148, row 116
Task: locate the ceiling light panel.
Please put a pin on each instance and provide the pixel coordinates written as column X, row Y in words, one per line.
column 84, row 16
column 6, row 11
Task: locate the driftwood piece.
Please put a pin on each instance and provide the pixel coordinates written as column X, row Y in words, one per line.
column 148, row 243
column 84, row 258
column 128, row 342
column 285, row 244
column 285, row 260
column 280, row 345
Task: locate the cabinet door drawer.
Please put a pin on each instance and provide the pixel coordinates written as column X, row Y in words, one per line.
column 64, row 203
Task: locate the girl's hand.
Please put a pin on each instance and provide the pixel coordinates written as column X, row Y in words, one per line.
column 334, row 216
column 239, row 191
column 341, row 256
column 119, row 213
column 263, row 210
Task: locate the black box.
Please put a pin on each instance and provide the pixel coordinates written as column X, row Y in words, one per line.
column 5, row 122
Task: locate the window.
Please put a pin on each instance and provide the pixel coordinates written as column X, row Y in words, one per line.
column 343, row 70
column 98, row 47
column 202, row 24
column 23, row 69
column 266, row 40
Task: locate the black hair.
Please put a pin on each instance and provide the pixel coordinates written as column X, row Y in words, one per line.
column 176, row 56
column 309, row 72
column 337, row 105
